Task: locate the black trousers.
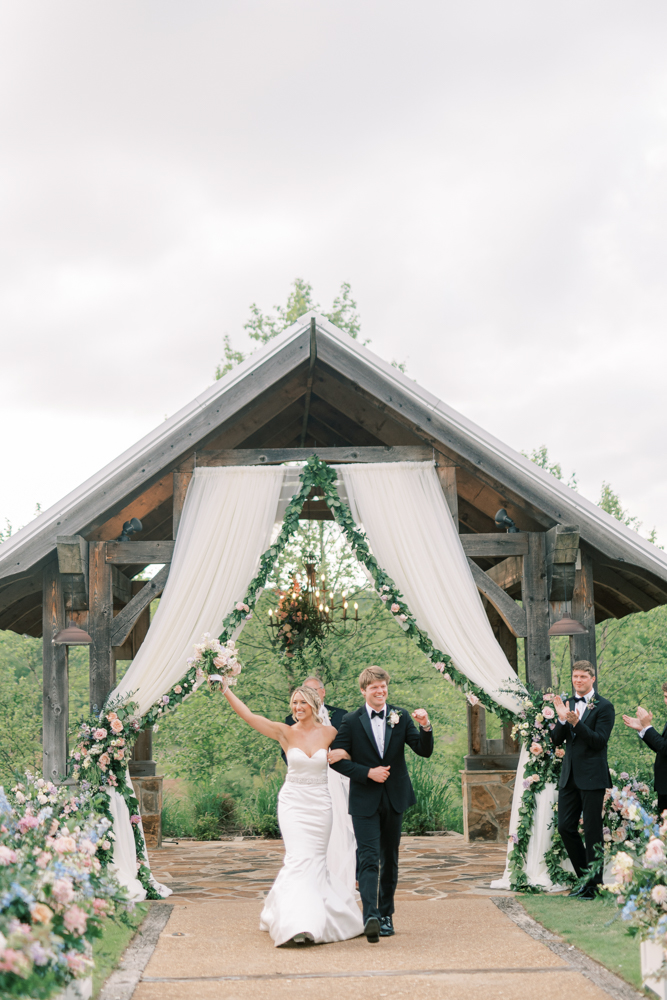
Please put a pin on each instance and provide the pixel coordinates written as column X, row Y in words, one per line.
column 662, row 804
column 572, row 802
column 378, row 838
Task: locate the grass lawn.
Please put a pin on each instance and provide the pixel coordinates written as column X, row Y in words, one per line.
column 594, row 926
column 108, row 949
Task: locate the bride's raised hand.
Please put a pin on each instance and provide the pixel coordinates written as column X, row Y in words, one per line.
column 333, row 756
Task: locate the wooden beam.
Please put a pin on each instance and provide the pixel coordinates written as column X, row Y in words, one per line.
column 18, row 590
column 126, row 619
column 55, row 678
column 121, row 586
column 471, row 519
column 508, row 644
column 510, row 612
column 181, row 483
column 536, row 605
column 583, row 647
column 501, row 544
column 100, row 618
column 276, row 456
column 606, row 577
column 447, row 476
column 562, row 547
column 508, row 573
column 138, row 553
column 309, row 381
column 140, row 507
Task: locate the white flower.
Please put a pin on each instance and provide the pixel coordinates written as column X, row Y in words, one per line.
column 394, row 716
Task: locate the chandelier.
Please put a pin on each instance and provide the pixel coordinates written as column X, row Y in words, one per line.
column 309, row 610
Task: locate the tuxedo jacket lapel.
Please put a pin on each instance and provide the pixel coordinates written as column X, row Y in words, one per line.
column 388, row 730
column 366, row 723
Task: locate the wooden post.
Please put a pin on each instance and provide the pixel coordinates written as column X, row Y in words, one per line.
column 447, row 477
column 181, row 483
column 535, row 597
column 508, row 644
column 582, row 647
column 100, row 619
column 55, row 678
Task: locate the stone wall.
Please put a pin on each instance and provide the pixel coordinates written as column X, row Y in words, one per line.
column 487, row 803
column 149, row 794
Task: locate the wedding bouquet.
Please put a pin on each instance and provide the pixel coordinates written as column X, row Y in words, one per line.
column 216, row 662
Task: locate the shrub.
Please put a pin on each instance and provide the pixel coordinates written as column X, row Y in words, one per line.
column 437, row 806
column 261, row 811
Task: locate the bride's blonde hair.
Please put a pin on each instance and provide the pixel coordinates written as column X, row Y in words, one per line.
column 310, row 696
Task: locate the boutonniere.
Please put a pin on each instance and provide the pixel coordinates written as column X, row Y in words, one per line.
column 393, row 717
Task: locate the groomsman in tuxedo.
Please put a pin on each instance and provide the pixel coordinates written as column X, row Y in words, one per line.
column 380, row 791
column 584, row 725
column 643, row 724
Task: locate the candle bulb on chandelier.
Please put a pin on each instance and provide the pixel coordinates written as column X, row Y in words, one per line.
column 356, row 612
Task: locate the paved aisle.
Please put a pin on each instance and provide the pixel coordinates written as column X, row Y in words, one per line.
column 460, row 947
column 451, row 941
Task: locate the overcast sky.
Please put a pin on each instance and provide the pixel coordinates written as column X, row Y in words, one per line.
column 489, row 177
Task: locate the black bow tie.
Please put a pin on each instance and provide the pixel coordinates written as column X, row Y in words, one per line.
column 579, row 698
column 379, row 715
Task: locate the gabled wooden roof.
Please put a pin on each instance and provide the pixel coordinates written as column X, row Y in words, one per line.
column 356, row 399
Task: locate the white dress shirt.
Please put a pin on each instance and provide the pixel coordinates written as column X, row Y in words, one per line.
column 378, row 727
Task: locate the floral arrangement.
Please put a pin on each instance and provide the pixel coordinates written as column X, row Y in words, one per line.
column 628, row 812
column 640, row 871
column 54, row 890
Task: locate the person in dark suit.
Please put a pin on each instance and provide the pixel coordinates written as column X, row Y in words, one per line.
column 369, row 749
column 643, row 724
column 335, row 715
column 584, row 725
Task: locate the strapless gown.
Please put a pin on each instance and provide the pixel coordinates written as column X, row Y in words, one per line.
column 306, row 897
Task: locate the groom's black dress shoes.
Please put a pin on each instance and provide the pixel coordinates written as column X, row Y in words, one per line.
column 587, row 891
column 386, row 927
column 372, row 930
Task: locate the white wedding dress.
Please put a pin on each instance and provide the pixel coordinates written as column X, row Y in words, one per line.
column 306, row 897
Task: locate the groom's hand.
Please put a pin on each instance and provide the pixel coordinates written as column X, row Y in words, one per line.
column 379, row 774
column 420, row 716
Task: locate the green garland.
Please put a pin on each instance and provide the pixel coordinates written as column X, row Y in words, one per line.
column 315, row 473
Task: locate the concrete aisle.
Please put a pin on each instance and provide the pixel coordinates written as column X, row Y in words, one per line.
column 459, row 947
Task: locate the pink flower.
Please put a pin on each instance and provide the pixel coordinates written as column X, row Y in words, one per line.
column 63, row 845
column 111, row 716
column 384, row 597
column 178, row 689
column 75, row 920
column 99, row 734
column 112, row 780
column 43, row 859
column 536, row 749
column 28, row 822
column 100, row 906
column 165, row 699
column 395, row 608
column 62, row 890
column 560, row 752
column 548, row 713
column 41, row 913
column 242, row 607
column 549, row 696
column 7, row 856
column 117, row 726
column 135, row 819
column 104, row 760
column 77, row 963
column 14, row 961
column 472, row 699
column 655, row 851
column 87, row 846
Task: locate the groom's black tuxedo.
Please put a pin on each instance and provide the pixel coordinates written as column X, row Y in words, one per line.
column 377, row 809
column 658, row 744
column 356, row 736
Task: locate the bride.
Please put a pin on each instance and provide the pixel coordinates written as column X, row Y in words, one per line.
column 307, row 901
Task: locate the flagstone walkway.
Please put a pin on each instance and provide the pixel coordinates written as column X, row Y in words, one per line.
column 430, row 868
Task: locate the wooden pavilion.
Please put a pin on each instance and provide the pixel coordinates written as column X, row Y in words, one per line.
column 315, row 389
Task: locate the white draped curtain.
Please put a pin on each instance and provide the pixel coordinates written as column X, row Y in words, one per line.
column 225, row 527
column 413, row 537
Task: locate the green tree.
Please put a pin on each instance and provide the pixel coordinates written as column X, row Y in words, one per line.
column 540, row 456
column 263, row 327
column 611, row 503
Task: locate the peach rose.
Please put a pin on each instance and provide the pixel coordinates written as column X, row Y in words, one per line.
column 41, row 913
column 117, row 726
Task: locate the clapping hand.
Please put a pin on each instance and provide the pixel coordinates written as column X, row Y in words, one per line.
column 562, row 708
column 645, row 717
column 632, row 722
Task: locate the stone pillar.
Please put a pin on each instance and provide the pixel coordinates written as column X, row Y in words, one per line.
column 487, row 803
column 149, row 795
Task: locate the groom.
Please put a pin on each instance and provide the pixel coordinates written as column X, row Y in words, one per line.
column 380, row 791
